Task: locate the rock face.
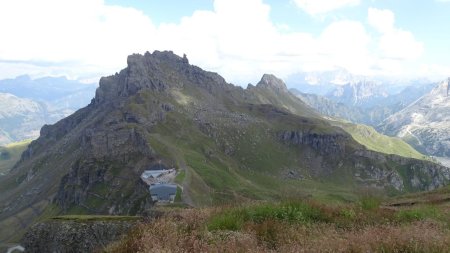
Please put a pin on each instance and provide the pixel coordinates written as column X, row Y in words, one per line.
column 409, row 173
column 425, row 124
column 420, row 175
column 227, row 140
column 74, row 236
column 325, row 144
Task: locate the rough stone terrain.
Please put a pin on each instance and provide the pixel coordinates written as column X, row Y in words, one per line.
column 60, row 236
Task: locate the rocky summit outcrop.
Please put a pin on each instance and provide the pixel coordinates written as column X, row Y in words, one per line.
column 269, row 81
column 227, row 143
column 65, row 236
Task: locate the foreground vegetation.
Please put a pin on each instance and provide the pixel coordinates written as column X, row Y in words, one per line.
column 418, row 223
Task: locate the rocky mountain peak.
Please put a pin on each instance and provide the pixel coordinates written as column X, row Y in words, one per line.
column 157, row 57
column 157, row 72
column 272, row 82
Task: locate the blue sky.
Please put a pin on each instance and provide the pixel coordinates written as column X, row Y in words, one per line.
column 240, row 39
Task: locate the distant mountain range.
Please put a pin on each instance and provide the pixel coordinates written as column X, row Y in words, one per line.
column 27, row 104
column 425, row 124
column 419, row 113
column 362, row 102
column 325, row 82
column 362, row 93
column 320, row 83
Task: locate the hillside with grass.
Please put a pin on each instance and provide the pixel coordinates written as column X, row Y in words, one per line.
column 371, row 139
column 227, row 144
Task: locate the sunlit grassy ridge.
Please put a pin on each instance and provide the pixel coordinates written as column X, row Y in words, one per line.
column 375, row 141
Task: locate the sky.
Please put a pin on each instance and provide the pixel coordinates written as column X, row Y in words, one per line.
column 239, row 39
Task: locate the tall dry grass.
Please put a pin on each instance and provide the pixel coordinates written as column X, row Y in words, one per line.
column 344, row 229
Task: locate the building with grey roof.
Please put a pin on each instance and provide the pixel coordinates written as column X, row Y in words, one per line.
column 163, row 192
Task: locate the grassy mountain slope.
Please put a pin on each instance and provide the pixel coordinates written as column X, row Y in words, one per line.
column 375, row 141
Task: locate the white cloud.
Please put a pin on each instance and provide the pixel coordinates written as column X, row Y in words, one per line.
column 394, row 43
column 243, row 43
column 400, row 45
column 381, row 20
column 346, row 45
column 238, row 39
column 435, row 71
column 315, row 7
column 87, row 32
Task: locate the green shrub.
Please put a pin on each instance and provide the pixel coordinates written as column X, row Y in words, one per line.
column 299, row 212
column 228, row 220
column 348, row 213
column 178, row 195
column 288, row 211
column 369, row 202
column 421, row 213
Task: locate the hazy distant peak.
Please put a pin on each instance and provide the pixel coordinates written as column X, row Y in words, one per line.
column 442, row 89
column 272, row 82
